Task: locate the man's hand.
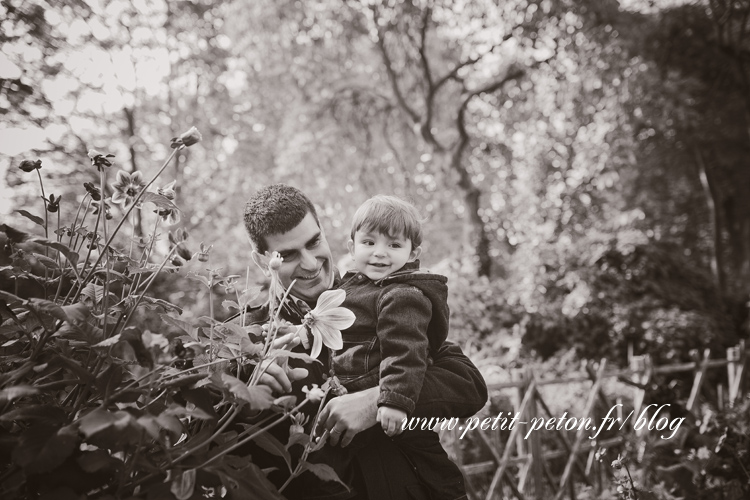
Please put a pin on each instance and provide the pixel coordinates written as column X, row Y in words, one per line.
column 391, row 419
column 346, row 416
column 279, row 378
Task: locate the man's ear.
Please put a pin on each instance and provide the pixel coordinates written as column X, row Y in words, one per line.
column 415, row 253
column 350, row 246
column 262, row 262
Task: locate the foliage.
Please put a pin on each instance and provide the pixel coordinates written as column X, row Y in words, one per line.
column 709, row 459
column 94, row 405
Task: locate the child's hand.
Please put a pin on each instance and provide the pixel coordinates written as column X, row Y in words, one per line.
column 391, row 419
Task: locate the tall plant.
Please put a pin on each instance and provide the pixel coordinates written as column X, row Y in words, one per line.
column 94, row 405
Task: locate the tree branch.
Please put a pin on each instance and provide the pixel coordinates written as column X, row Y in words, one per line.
column 393, row 79
column 472, row 60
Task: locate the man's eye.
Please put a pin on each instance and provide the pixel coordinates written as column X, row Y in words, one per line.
column 314, row 243
column 286, row 255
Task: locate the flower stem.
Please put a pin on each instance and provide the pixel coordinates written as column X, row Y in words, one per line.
column 105, row 302
column 44, row 201
column 75, row 220
column 243, row 441
column 133, row 205
column 151, row 280
column 297, row 469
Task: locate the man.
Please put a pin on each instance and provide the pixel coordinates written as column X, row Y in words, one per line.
column 281, row 218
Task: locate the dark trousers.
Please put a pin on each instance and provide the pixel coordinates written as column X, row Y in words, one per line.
column 411, row 466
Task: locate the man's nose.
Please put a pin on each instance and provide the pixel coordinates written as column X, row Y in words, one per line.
column 307, row 261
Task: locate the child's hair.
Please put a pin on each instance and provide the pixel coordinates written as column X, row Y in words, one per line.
column 390, row 216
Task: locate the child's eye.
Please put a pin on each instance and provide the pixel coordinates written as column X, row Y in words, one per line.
column 396, row 245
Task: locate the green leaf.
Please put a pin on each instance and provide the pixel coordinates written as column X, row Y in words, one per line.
column 47, row 307
column 201, row 398
column 76, row 368
column 298, row 438
column 170, row 424
column 230, row 304
column 182, row 325
column 324, row 472
column 71, row 255
column 94, row 292
column 46, row 414
column 183, row 484
column 199, row 277
column 33, row 218
column 249, row 483
column 77, row 313
column 46, row 261
column 97, row 461
column 101, row 419
column 9, row 298
column 14, row 235
column 152, row 303
column 159, row 200
column 42, row 448
column 15, row 392
column 273, row 446
column 259, row 397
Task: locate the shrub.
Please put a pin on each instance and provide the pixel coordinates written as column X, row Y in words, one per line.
column 95, row 405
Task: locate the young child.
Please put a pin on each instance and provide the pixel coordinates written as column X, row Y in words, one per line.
column 401, row 317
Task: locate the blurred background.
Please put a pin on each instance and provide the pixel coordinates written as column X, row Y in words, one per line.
column 582, row 164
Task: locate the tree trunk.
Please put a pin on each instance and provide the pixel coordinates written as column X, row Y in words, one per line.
column 131, row 135
column 712, row 202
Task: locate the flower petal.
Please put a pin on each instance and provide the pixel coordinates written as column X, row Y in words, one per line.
column 330, row 336
column 123, row 178
column 317, row 345
column 118, row 197
column 339, row 318
column 330, row 299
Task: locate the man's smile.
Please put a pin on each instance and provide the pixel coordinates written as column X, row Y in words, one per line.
column 311, row 277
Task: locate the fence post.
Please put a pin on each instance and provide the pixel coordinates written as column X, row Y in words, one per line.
column 502, row 461
column 700, row 376
column 579, row 435
column 736, row 368
column 535, row 446
column 642, row 369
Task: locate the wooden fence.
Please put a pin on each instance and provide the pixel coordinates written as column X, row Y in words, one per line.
column 550, row 463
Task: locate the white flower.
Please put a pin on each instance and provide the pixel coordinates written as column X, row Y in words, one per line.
column 326, row 321
column 314, row 394
column 127, row 187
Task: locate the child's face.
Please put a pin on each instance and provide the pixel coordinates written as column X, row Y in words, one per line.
column 377, row 255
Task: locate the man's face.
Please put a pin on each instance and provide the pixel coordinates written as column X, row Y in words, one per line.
column 307, row 259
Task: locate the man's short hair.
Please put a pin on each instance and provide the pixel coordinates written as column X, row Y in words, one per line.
column 391, row 216
column 275, row 209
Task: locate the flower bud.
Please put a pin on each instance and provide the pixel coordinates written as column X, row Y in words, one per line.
column 53, row 204
column 186, row 139
column 96, row 195
column 30, row 166
column 100, row 160
column 275, row 263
